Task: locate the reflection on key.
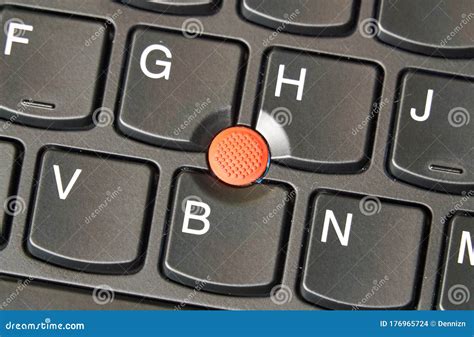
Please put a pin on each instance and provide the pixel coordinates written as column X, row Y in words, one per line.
column 306, row 101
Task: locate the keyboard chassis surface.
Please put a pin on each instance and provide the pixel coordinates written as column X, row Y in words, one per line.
column 376, row 180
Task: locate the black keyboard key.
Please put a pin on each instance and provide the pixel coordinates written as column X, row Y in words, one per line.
column 309, row 17
column 358, row 244
column 311, row 107
column 230, row 240
column 440, row 28
column 457, row 287
column 52, row 68
column 11, row 204
column 179, row 91
column 91, row 211
column 180, row 7
column 433, row 143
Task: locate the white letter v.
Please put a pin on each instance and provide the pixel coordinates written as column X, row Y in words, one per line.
column 57, row 174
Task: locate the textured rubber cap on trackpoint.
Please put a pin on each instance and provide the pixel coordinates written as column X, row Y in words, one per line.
column 239, row 156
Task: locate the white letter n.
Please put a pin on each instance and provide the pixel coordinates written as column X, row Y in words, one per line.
column 330, row 218
column 466, row 243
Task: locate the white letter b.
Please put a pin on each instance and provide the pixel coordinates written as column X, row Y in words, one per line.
column 188, row 215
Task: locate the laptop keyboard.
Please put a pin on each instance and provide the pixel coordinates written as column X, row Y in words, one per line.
column 109, row 180
column 441, row 29
column 440, row 157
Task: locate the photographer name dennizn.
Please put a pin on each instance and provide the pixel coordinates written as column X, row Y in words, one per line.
column 452, row 324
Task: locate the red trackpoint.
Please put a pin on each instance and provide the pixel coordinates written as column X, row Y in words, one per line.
column 239, row 156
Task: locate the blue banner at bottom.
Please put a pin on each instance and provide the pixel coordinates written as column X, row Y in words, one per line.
column 241, row 323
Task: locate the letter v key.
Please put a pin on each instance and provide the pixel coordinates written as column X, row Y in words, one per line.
column 57, row 174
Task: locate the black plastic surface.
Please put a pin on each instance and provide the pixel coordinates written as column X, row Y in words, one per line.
column 359, row 244
column 54, row 77
column 182, row 7
column 91, row 211
column 458, row 277
column 309, row 17
column 233, row 247
column 27, row 294
column 374, row 180
column 187, row 97
column 9, row 167
column 433, row 28
column 305, row 122
column 433, row 141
